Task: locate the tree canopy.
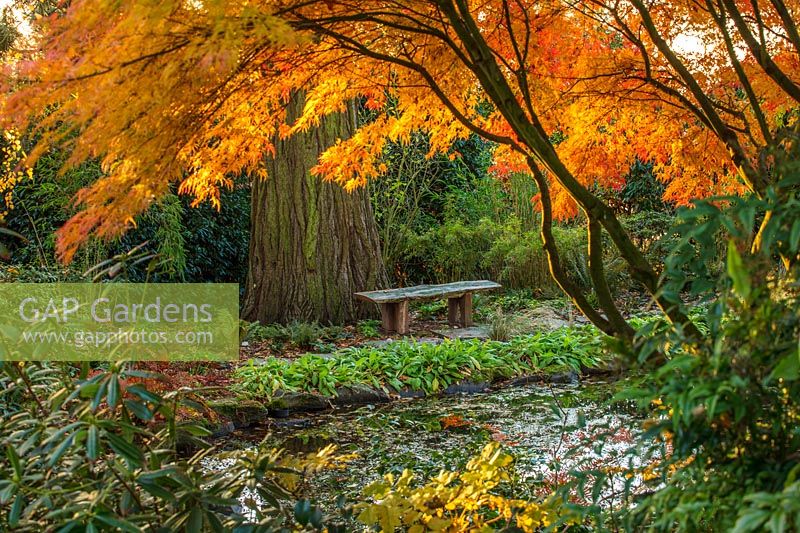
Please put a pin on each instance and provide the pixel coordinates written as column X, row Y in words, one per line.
column 571, row 91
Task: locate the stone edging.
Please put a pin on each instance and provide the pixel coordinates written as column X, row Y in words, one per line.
column 240, row 414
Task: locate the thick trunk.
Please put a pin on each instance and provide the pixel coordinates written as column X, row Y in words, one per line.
column 312, row 244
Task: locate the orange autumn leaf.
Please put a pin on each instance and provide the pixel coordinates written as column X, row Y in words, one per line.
column 194, row 93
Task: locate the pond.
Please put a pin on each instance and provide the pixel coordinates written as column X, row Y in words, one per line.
column 548, row 428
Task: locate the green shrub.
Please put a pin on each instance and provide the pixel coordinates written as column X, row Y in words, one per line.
column 429, row 310
column 508, row 301
column 299, row 334
column 521, row 190
column 192, row 242
column 369, row 328
column 499, row 251
column 195, row 241
column 417, row 191
column 652, row 233
column 100, row 452
column 450, row 252
column 42, row 205
column 719, row 449
column 641, row 191
column 304, row 334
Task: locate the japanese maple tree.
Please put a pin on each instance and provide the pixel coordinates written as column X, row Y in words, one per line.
column 194, row 92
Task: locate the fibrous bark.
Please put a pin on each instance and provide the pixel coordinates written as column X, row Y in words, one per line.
column 312, row 244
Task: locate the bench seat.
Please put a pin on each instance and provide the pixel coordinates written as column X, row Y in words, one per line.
column 394, row 302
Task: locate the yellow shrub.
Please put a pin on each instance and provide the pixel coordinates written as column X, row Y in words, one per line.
column 453, row 501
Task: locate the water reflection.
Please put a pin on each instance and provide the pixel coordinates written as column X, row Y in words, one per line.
column 550, row 429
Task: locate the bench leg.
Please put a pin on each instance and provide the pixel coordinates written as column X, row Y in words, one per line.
column 387, row 318
column 466, row 310
column 459, row 311
column 395, row 318
column 453, row 311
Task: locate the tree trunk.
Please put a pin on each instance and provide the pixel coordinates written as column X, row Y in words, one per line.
column 312, row 244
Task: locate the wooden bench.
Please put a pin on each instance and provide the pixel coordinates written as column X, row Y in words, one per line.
column 394, row 302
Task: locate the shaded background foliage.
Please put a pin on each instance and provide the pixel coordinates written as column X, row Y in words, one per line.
column 444, row 219
column 192, row 243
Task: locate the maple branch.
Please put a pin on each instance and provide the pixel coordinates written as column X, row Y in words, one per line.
column 719, row 18
column 351, row 44
column 788, row 24
column 660, row 86
column 706, row 119
column 527, row 23
column 645, row 54
column 130, row 62
column 377, row 17
column 554, row 259
column 759, row 23
column 521, row 71
column 194, row 121
column 761, row 54
column 506, row 63
column 510, row 30
column 756, row 182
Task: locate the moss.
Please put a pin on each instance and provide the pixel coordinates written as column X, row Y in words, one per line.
column 303, row 401
column 241, row 412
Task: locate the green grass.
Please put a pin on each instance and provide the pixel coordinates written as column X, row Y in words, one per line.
column 423, row 367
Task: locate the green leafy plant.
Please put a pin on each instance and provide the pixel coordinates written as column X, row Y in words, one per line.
column 369, row 328
column 509, row 301
column 720, row 444
column 299, row 334
column 304, row 334
column 641, row 192
column 430, row 368
column 430, row 310
column 98, row 451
